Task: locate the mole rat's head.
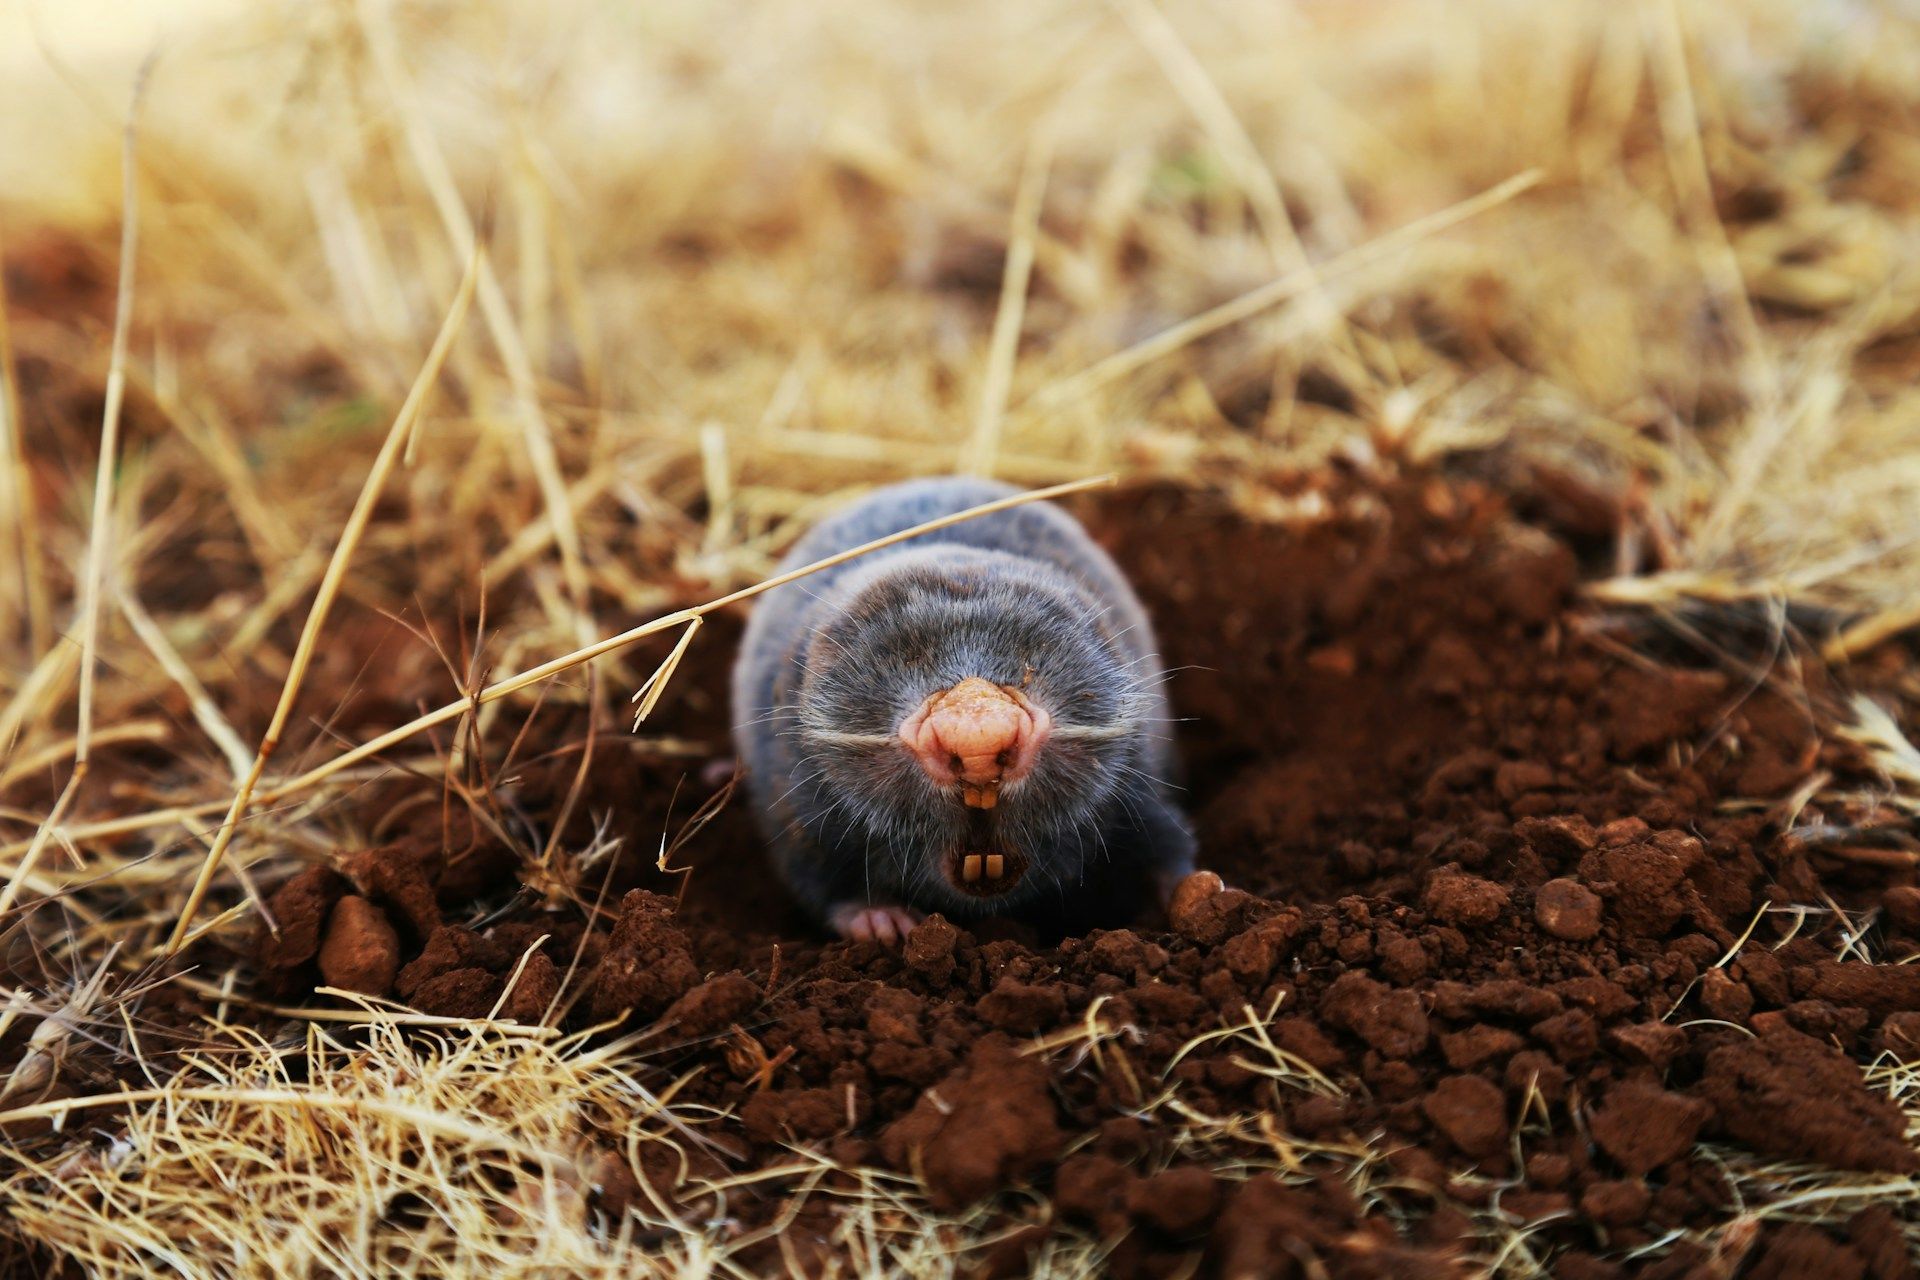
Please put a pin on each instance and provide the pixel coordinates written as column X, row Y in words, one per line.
column 967, row 721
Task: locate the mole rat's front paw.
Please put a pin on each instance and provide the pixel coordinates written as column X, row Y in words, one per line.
column 888, row 925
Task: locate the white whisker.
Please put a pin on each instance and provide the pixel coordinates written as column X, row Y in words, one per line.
column 838, row 738
column 1094, row 732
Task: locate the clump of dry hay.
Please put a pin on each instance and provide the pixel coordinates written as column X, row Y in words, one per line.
column 736, row 263
column 420, row 1147
column 410, row 1150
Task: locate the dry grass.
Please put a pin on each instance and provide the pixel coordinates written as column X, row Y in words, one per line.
column 422, row 1146
column 728, row 264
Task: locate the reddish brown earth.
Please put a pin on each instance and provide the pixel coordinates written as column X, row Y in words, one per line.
column 1485, row 880
column 1492, row 864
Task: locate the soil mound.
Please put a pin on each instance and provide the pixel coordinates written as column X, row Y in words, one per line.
column 1492, row 868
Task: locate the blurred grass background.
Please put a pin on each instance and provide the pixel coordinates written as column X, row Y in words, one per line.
column 766, row 245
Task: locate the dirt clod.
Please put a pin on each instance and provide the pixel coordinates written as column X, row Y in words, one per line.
column 986, row 1124
column 1464, row 900
column 929, row 948
column 1178, row 1201
column 1022, row 1007
column 300, row 908
column 1642, row 1126
column 401, row 880
column 1902, row 905
column 1471, row 1112
column 527, row 1000
column 1568, row 910
column 648, row 962
column 1787, row 1094
column 713, row 1004
column 361, row 951
column 1390, row 1020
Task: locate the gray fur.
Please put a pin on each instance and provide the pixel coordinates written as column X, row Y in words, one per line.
column 833, row 662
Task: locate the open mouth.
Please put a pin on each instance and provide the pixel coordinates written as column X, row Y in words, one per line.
column 986, row 875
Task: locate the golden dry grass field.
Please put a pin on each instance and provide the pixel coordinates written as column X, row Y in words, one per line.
column 365, row 366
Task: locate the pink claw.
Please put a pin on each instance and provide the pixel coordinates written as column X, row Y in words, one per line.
column 886, row 925
column 977, row 735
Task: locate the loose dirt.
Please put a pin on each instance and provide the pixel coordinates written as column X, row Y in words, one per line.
column 1492, row 866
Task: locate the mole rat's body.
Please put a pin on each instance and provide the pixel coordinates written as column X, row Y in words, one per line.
column 970, row 722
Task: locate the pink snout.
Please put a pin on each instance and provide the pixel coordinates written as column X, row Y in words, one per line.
column 978, row 736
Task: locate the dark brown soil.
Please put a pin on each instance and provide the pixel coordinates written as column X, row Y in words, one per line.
column 1491, row 880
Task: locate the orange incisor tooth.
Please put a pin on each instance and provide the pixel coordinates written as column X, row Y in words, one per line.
column 996, row 866
column 970, row 868
column 980, row 796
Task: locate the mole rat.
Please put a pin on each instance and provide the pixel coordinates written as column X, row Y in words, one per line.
column 970, row 721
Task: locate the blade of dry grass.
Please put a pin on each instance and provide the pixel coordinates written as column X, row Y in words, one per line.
column 403, row 425
column 1870, row 631
column 206, row 712
column 425, row 1119
column 1203, row 98
column 100, row 534
column 45, row 685
column 1680, row 127
column 1291, row 285
column 30, row 762
column 16, row 491
column 648, row 694
column 376, row 20
column 977, row 458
